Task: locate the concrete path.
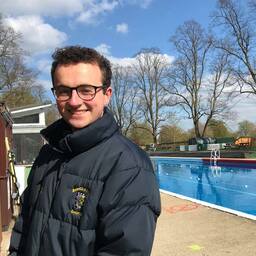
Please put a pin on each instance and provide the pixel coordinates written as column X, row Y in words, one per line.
column 5, row 241
column 188, row 229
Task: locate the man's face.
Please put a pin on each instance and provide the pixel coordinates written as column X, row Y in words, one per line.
column 76, row 111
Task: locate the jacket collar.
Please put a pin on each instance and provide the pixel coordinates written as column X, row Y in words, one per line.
column 60, row 135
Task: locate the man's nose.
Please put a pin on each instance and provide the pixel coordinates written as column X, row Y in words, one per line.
column 74, row 98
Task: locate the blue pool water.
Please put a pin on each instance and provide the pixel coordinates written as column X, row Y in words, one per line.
column 229, row 187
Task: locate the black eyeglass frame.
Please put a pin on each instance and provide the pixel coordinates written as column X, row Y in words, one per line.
column 101, row 87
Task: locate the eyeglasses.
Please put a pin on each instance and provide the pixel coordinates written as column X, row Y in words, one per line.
column 84, row 91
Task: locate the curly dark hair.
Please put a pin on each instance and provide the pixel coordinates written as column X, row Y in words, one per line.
column 78, row 54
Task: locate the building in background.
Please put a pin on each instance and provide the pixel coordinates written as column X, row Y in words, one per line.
column 28, row 121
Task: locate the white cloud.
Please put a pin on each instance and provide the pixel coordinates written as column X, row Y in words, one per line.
column 168, row 58
column 44, row 66
column 92, row 9
column 122, row 61
column 126, row 61
column 84, row 11
column 122, row 28
column 39, row 7
column 37, row 36
column 142, row 3
column 103, row 49
column 245, row 108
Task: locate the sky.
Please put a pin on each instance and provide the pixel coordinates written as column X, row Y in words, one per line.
column 117, row 28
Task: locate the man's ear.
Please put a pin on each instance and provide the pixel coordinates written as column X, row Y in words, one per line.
column 108, row 94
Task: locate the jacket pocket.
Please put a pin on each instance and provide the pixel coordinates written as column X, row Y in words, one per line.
column 63, row 239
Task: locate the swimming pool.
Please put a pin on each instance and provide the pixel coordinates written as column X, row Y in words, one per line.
column 230, row 188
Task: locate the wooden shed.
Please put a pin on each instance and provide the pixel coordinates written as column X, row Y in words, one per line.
column 6, row 208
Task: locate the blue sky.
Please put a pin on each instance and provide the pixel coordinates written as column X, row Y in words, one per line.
column 118, row 28
column 146, row 27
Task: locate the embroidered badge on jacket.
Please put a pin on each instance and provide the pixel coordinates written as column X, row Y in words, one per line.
column 81, row 194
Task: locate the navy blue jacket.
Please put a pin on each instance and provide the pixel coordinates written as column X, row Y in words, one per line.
column 90, row 192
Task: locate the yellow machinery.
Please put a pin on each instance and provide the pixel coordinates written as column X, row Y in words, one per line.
column 14, row 190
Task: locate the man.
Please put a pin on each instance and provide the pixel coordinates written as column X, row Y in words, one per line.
column 91, row 191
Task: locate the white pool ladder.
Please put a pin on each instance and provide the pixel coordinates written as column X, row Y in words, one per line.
column 215, row 156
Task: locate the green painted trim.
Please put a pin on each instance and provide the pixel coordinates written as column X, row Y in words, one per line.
column 26, row 173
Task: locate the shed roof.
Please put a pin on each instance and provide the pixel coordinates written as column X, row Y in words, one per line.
column 29, row 110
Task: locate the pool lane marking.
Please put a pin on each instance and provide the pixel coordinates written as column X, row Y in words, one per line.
column 181, row 208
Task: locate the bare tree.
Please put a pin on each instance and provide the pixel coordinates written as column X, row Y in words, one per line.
column 150, row 75
column 199, row 76
column 239, row 42
column 124, row 101
column 10, row 52
column 13, row 71
column 18, row 83
column 219, row 87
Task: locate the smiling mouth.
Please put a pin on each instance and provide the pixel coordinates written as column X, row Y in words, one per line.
column 77, row 112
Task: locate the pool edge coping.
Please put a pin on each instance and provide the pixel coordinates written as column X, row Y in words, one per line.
column 245, row 162
column 214, row 206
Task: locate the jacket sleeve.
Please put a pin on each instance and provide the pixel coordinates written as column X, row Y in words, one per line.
column 18, row 236
column 129, row 208
column 20, row 229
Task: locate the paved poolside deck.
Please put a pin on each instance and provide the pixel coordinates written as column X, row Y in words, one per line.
column 188, row 229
